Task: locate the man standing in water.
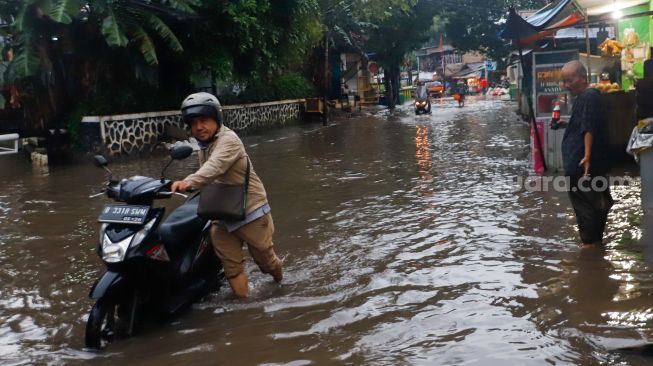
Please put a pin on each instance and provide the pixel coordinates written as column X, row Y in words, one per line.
column 224, row 160
column 584, row 156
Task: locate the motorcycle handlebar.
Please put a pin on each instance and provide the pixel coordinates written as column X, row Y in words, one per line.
column 164, row 195
column 97, row 194
column 169, row 194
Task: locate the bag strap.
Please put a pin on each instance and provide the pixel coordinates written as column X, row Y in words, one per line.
column 247, row 176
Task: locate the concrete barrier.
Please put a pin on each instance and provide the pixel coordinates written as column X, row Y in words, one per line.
column 133, row 133
column 12, row 137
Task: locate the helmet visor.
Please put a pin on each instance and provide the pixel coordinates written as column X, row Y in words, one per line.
column 197, row 111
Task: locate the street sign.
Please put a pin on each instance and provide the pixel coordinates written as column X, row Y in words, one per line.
column 491, row 65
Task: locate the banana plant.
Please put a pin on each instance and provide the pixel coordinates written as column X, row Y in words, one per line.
column 41, row 38
column 122, row 24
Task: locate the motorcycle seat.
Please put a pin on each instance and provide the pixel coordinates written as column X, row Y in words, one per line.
column 181, row 226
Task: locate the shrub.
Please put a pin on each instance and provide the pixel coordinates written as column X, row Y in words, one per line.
column 137, row 97
column 290, row 86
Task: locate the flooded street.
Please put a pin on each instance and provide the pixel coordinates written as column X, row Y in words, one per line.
column 402, row 243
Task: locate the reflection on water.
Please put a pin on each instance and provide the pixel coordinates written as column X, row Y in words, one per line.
column 424, row 160
column 399, row 244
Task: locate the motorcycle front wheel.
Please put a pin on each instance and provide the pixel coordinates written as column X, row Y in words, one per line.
column 100, row 324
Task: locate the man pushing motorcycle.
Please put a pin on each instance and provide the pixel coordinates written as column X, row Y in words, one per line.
column 224, row 160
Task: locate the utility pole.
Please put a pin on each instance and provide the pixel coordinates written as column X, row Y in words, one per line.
column 444, row 70
column 325, row 111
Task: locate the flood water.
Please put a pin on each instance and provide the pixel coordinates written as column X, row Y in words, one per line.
column 402, row 245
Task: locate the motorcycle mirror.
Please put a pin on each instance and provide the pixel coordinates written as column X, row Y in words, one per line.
column 177, row 153
column 100, row 161
column 181, row 152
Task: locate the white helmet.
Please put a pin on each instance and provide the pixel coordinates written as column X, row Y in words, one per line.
column 201, row 104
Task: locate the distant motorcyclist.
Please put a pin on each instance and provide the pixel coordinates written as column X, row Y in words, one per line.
column 422, row 100
column 421, row 92
column 224, row 160
column 459, row 95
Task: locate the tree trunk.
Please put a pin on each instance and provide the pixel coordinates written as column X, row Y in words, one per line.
column 397, row 83
column 389, row 93
column 325, row 115
column 392, row 85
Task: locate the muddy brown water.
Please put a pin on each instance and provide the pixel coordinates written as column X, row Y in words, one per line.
column 401, row 242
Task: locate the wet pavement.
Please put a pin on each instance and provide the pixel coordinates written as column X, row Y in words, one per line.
column 402, row 244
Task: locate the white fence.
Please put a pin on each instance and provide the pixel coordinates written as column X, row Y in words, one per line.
column 132, row 133
column 12, row 137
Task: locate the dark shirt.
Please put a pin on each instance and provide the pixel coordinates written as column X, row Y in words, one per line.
column 587, row 115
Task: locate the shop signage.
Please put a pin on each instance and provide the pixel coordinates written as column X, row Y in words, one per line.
column 547, row 80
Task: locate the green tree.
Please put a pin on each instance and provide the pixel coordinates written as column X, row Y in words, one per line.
column 132, row 23
column 396, row 35
column 474, row 25
column 341, row 27
column 252, row 39
column 59, row 52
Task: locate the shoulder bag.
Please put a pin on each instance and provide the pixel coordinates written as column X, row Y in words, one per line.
column 219, row 201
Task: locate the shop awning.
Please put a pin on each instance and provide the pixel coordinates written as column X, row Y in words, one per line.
column 556, row 15
column 469, row 71
column 473, row 75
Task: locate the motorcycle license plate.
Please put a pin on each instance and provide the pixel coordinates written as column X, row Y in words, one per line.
column 124, row 214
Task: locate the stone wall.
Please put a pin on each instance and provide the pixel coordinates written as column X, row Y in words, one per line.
column 248, row 116
column 129, row 133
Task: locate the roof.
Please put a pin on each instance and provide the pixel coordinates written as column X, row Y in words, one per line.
column 471, row 74
column 476, row 65
column 431, row 50
column 470, row 70
column 453, row 68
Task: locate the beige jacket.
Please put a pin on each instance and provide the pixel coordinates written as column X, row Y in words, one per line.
column 225, row 161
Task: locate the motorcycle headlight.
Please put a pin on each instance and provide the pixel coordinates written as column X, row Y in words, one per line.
column 115, row 252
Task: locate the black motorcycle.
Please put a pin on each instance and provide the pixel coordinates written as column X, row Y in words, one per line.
column 154, row 265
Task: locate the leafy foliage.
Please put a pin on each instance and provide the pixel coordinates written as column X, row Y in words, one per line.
column 252, row 39
column 65, row 57
column 58, row 53
column 397, row 33
column 474, row 25
column 112, row 32
column 289, row 86
column 402, row 31
column 132, row 97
